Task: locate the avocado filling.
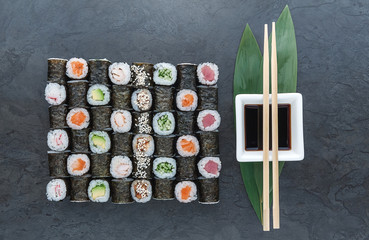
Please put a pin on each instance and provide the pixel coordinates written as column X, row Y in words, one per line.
column 98, row 141
column 164, row 123
column 97, row 95
column 98, row 191
column 165, row 74
column 164, row 167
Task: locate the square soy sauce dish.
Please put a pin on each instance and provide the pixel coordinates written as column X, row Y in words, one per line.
column 249, row 127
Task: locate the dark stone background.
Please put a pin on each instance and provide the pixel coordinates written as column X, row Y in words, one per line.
column 323, row 197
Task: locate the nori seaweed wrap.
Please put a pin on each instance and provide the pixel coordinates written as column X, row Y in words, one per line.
column 208, row 190
column 163, row 189
column 209, row 143
column 56, row 70
column 78, row 186
column 186, row 168
column 58, row 164
column 165, row 145
column 77, row 91
column 187, row 76
column 142, row 167
column 100, row 165
column 186, row 122
column 208, row 98
column 121, row 190
column 80, row 140
column 163, row 98
column 101, row 117
column 121, row 97
column 142, row 122
column 57, row 115
column 122, row 144
column 142, row 75
column 99, row 71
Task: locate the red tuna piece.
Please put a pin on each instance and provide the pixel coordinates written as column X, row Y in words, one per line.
column 208, row 73
column 208, row 120
column 211, row 167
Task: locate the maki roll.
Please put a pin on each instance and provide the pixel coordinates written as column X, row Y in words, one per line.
column 80, row 140
column 164, row 167
column 99, row 71
column 119, row 73
column 98, row 190
column 209, row 142
column 208, row 120
column 164, row 123
column 186, row 100
column 56, row 70
column 121, row 97
column 163, row 98
column 143, row 144
column 99, row 141
column 78, row 118
column 101, row 117
column 207, row 73
column 58, row 140
column 186, row 168
column 58, row 115
column 120, row 167
column 98, row 94
column 79, row 187
column 77, row 68
column 165, row 74
column 186, row 191
column 56, row 190
column 209, row 167
column 142, row 166
column 141, row 100
column 100, row 165
column 163, row 189
column 77, row 91
column 58, row 163
column 121, row 191
column 141, row 191
column 121, row 121
column 142, row 122
column 187, row 146
column 187, row 76
column 78, row 164
column 208, row 190
column 208, row 97
column 185, row 122
column 55, row 94
column 142, row 74
column 165, row 145
column 122, row 144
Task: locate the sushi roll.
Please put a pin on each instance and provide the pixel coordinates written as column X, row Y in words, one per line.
column 121, row 191
column 120, row 73
column 208, row 97
column 164, row 167
column 100, row 165
column 76, row 68
column 209, row 167
column 142, row 166
column 165, row 74
column 185, row 122
column 98, row 94
column 209, row 143
column 186, row 100
column 78, row 118
column 163, row 98
column 80, row 140
column 142, row 122
column 186, row 168
column 56, row 190
column 99, row 71
column 143, row 144
column 57, row 163
column 58, row 116
column 121, row 97
column 99, row 141
column 56, row 70
column 165, row 145
column 187, row 76
column 77, row 91
column 55, row 94
column 78, row 164
column 78, row 186
column 58, row 140
column 120, row 167
column 208, row 120
column 163, row 189
column 186, row 191
column 187, row 146
column 98, row 190
column 141, row 100
column 208, row 190
column 164, row 123
column 101, row 117
column 142, row 75
column 121, row 121
column 122, row 144
column 207, row 73
column 141, row 191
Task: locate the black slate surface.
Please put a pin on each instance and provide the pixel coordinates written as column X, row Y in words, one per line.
column 323, row 197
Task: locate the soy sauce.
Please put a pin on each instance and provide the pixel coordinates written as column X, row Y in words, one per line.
column 254, row 127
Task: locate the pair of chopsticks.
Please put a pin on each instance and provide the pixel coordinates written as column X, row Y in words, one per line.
column 274, row 75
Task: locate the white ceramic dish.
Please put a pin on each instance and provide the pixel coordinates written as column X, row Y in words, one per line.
column 296, row 153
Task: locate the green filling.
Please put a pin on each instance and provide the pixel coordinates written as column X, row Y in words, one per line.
column 97, row 95
column 164, row 123
column 165, row 74
column 164, row 167
column 98, row 191
column 98, row 141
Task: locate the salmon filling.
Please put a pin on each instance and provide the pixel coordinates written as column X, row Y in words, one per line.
column 187, row 100
column 185, row 192
column 188, row 146
column 77, row 68
column 78, row 118
column 78, row 165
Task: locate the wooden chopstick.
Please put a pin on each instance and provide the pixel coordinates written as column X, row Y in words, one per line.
column 266, row 217
column 276, row 217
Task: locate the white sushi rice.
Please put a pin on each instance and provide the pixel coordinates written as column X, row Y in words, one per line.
column 181, row 94
column 57, row 140
column 69, row 66
column 120, row 167
column 55, row 94
column 188, row 138
column 212, row 127
column 121, row 121
column 98, row 149
column 56, row 190
column 143, row 144
column 72, row 159
column 160, row 172
column 141, row 100
column 202, row 163
column 193, row 192
column 165, row 74
column 162, row 128
column 120, row 73
column 75, row 126
column 93, row 184
column 201, row 76
column 106, row 93
column 144, row 189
